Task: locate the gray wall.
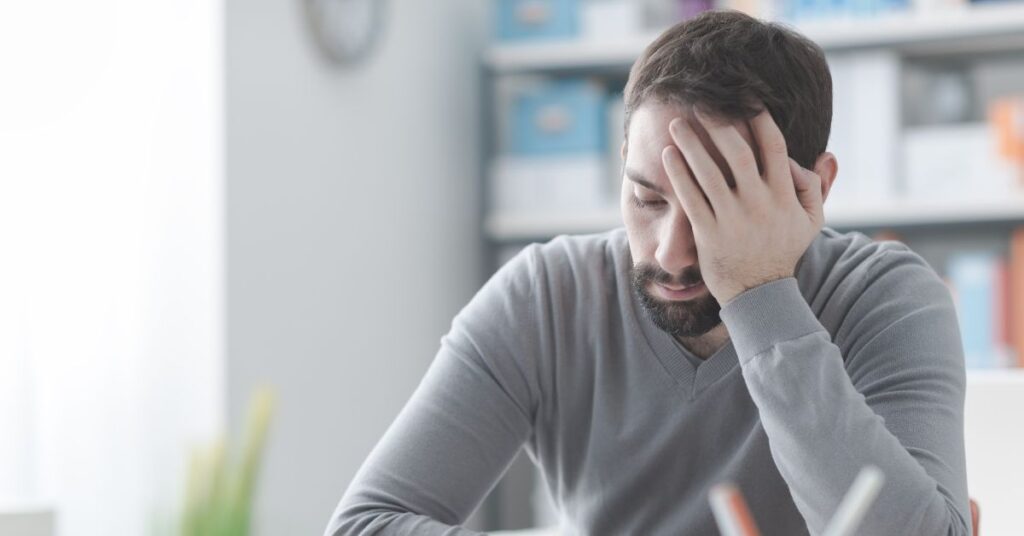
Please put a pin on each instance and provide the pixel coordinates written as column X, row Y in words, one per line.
column 352, row 232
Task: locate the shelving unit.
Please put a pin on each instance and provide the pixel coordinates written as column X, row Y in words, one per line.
column 995, row 377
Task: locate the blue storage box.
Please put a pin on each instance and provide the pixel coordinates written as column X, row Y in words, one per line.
column 561, row 117
column 537, row 19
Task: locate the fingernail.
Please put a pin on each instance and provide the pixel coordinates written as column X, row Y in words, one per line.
column 668, row 153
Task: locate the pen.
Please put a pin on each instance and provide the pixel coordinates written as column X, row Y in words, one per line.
column 856, row 502
column 731, row 512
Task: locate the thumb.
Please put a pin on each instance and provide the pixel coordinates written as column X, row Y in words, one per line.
column 808, row 188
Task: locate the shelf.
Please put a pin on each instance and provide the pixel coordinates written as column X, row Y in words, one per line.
column 988, row 27
column 995, row 377
column 907, row 213
column 977, row 24
column 526, row 226
column 566, row 55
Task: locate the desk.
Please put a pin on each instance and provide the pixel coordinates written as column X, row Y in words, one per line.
column 27, row 523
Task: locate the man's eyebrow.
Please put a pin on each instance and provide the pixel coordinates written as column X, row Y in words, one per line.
column 638, row 178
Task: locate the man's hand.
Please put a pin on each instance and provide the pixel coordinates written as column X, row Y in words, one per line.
column 756, row 232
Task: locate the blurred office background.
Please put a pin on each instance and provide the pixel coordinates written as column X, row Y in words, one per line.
column 202, row 199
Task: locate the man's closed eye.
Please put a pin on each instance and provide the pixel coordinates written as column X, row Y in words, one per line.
column 652, row 203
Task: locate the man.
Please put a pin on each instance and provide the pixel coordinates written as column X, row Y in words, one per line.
column 723, row 335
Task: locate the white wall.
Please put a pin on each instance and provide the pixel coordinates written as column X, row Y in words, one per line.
column 352, row 232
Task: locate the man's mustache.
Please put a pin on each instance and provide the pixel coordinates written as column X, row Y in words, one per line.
column 649, row 272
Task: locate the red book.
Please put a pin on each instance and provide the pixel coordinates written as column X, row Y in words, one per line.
column 1016, row 293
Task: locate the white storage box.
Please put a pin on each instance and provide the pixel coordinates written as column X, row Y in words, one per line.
column 548, row 184
column 956, row 163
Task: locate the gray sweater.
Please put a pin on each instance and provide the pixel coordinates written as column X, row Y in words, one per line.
column 857, row 360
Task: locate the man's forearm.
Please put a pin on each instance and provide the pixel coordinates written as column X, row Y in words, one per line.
column 439, row 459
column 821, row 430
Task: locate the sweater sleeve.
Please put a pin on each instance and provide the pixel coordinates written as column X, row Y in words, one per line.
column 463, row 425
column 895, row 401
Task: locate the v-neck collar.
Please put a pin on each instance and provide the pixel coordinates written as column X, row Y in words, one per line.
column 691, row 380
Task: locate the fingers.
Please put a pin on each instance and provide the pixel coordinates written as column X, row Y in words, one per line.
column 685, row 186
column 807, row 185
column 703, row 167
column 774, row 154
column 736, row 151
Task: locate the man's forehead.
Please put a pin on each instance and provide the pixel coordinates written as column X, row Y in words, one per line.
column 651, row 119
column 638, row 177
column 649, row 135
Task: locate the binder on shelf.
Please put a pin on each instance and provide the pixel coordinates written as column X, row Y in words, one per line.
column 1001, row 310
column 524, row 20
column 556, row 117
column 553, row 154
column 975, row 280
column 807, row 10
column 615, row 119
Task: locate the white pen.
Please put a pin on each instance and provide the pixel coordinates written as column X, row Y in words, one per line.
column 855, row 504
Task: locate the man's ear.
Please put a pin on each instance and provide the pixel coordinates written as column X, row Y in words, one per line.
column 826, row 167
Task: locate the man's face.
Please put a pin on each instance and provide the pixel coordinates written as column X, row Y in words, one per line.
column 665, row 274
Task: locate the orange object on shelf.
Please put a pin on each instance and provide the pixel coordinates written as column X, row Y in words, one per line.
column 887, row 234
column 1006, row 116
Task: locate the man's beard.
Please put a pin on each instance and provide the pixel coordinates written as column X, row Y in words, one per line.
column 690, row 318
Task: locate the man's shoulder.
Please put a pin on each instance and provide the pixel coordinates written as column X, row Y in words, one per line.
column 586, row 246
column 855, row 258
column 572, row 271
column 578, row 255
column 853, row 277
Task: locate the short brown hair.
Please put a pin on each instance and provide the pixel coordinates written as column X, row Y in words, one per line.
column 726, row 63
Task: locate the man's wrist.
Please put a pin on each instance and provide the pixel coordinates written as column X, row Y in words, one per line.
column 732, row 293
column 766, row 315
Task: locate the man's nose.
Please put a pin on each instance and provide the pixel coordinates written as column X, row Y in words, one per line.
column 677, row 249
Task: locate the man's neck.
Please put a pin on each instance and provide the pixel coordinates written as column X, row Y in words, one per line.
column 704, row 346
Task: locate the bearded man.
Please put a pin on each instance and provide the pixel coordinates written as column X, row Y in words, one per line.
column 724, row 334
